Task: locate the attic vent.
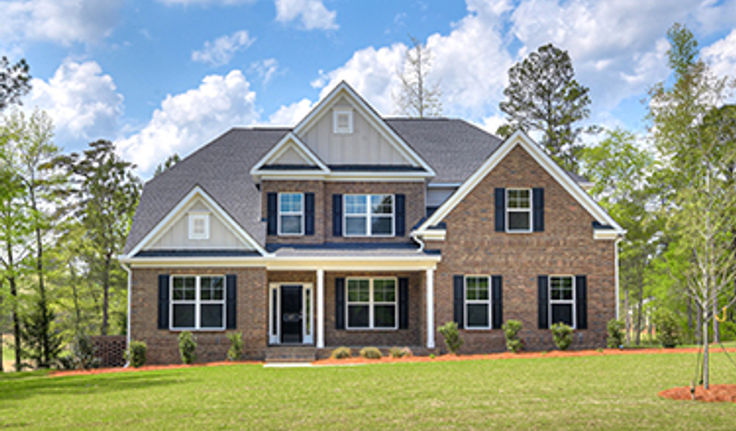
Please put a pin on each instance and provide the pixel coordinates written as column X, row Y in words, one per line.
column 342, row 121
column 199, row 226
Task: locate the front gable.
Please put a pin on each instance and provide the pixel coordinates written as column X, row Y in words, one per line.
column 288, row 156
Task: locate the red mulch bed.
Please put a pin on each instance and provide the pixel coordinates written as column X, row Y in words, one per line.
column 144, row 368
column 716, row 393
column 507, row 355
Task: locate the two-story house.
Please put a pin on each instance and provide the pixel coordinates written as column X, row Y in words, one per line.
column 353, row 229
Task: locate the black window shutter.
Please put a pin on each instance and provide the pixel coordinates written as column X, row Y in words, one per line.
column 400, row 220
column 581, row 302
column 538, row 208
column 272, row 213
column 543, row 302
column 458, row 282
column 231, row 284
column 336, row 215
column 500, row 201
column 340, row 303
column 308, row 213
column 497, row 299
column 403, row 303
column 163, row 301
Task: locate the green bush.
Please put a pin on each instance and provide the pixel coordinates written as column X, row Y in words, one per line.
column 668, row 328
column 83, row 353
column 615, row 333
column 728, row 330
column 511, row 331
column 341, row 353
column 137, row 353
column 452, row 336
column 400, row 352
column 370, row 353
column 562, row 335
column 187, row 347
column 235, row 352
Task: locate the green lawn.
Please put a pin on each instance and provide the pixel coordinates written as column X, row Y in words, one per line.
column 587, row 393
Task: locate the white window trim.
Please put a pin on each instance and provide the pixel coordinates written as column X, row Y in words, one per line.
column 520, row 210
column 197, row 302
column 371, row 304
column 193, row 218
column 477, row 301
column 335, row 114
column 368, row 215
column 561, row 301
column 274, row 333
column 290, row 213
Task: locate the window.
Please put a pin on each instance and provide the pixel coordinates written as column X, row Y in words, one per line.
column 371, row 303
column 518, row 210
column 562, row 299
column 369, row 215
column 198, row 302
column 477, row 302
column 199, row 226
column 291, row 214
column 342, row 121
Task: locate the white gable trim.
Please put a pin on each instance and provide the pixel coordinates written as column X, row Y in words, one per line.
column 290, row 141
column 523, row 140
column 360, row 104
column 178, row 210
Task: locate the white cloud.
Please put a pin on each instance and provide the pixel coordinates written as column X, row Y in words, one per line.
column 312, row 13
column 82, row 101
column 265, row 69
column 289, row 115
column 220, row 51
column 61, row 21
column 721, row 56
column 204, row 2
column 492, row 123
column 186, row 120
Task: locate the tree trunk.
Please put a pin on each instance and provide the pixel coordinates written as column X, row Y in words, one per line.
column 638, row 317
column 75, row 297
column 716, row 329
column 45, row 324
column 105, row 293
column 699, row 326
column 706, row 376
column 690, row 331
column 627, row 317
column 16, row 319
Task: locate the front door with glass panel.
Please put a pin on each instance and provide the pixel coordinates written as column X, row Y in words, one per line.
column 290, row 313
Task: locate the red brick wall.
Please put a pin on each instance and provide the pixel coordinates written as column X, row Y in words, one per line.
column 565, row 247
column 211, row 345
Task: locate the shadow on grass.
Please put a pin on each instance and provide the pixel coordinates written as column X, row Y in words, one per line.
column 16, row 389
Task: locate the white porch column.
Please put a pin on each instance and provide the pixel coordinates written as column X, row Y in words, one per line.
column 430, row 308
column 320, row 308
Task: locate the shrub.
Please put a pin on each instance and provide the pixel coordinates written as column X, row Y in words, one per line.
column 668, row 329
column 562, row 335
column 187, row 347
column 236, row 346
column 431, row 356
column 728, row 330
column 341, row 353
column 511, row 331
column 452, row 336
column 137, row 353
column 615, row 333
column 370, row 353
column 83, row 353
column 400, row 352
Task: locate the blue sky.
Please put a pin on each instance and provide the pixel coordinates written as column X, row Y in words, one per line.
column 169, row 75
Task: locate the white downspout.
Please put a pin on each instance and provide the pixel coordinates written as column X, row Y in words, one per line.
column 415, row 237
column 127, row 321
column 616, row 280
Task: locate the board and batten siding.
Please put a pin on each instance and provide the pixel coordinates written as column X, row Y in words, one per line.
column 291, row 157
column 177, row 236
column 365, row 146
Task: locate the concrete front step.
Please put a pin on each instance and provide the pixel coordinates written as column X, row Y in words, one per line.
column 291, row 354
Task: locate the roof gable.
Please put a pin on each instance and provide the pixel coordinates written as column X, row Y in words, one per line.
column 289, row 153
column 522, row 140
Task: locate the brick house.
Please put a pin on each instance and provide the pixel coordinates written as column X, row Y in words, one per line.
column 353, row 229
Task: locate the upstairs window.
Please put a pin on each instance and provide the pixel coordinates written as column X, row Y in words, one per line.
column 291, row 214
column 199, row 226
column 518, row 210
column 369, row 215
column 342, row 121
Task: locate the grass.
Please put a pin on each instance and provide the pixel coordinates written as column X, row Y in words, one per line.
column 582, row 393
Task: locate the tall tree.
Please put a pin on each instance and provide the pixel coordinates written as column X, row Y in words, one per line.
column 417, row 96
column 14, row 81
column 170, row 161
column 687, row 131
column 543, row 96
column 105, row 195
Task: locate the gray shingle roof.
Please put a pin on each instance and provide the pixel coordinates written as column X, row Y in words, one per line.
column 454, row 148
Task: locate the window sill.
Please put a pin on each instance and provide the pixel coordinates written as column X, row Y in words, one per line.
column 373, row 330
column 197, row 330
